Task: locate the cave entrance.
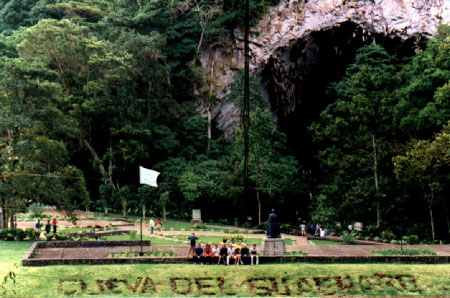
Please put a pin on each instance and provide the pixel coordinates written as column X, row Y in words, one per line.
column 296, row 79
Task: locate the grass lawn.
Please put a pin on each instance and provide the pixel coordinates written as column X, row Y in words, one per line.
column 196, row 280
column 218, row 240
column 325, row 242
column 153, row 240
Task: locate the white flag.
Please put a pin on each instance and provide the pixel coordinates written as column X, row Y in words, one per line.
column 148, row 177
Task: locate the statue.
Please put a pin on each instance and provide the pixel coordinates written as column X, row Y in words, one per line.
column 273, row 226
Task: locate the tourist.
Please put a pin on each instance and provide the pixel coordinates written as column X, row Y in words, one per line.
column 198, row 254
column 37, row 225
column 317, row 228
column 303, row 229
column 159, row 224
column 152, row 225
column 245, row 254
column 237, row 256
column 322, row 232
column 223, row 253
column 48, row 227
column 193, row 241
column 216, row 253
column 208, row 254
column 230, row 254
column 254, row 254
column 55, row 225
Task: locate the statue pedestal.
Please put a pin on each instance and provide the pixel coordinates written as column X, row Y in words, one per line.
column 273, row 247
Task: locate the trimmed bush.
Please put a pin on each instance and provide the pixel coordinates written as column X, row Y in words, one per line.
column 49, row 236
column 405, row 252
column 36, row 209
column 387, row 235
column 412, row 239
column 348, row 238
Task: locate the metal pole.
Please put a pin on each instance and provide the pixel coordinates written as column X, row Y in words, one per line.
column 142, row 214
column 246, row 112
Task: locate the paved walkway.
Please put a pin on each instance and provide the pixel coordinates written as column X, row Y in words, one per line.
column 301, row 243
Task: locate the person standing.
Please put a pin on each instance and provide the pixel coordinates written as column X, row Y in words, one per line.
column 193, row 241
column 48, row 227
column 303, row 229
column 37, row 225
column 159, row 224
column 55, row 225
column 152, row 225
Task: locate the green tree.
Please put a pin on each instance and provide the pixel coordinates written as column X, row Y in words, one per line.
column 357, row 130
column 272, row 171
column 427, row 164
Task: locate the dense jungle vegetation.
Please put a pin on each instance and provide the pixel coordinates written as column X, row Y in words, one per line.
column 92, row 89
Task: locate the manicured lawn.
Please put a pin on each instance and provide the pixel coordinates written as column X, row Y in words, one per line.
column 325, row 242
column 218, row 240
column 153, row 240
column 193, row 280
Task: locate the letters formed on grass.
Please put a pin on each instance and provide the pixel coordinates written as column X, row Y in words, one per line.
column 259, row 286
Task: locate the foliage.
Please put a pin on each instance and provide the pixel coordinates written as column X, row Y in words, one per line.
column 36, row 209
column 349, row 238
column 405, row 252
column 49, row 236
column 412, row 239
column 387, row 235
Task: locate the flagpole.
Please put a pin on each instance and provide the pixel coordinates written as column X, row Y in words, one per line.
column 142, row 215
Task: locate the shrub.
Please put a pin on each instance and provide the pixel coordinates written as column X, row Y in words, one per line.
column 49, row 236
column 133, row 235
column 36, row 209
column 20, row 234
column 405, row 252
column 348, row 238
column 112, row 254
column 61, row 237
column 156, row 253
column 31, row 233
column 376, row 239
column 171, row 253
column 387, row 235
column 198, row 226
column 237, row 238
column 412, row 239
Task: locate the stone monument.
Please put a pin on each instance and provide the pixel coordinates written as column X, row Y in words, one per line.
column 273, row 244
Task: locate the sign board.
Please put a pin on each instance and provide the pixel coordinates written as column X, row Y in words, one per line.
column 196, row 214
column 358, row 226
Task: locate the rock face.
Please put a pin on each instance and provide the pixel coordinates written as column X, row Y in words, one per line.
column 286, row 45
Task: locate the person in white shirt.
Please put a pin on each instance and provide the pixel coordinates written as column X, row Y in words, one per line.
column 216, row 253
column 152, row 225
column 230, row 253
column 254, row 254
column 303, row 229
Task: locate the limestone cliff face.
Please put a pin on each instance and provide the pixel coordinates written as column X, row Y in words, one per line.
column 291, row 21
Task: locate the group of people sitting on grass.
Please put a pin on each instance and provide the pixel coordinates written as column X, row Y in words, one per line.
column 222, row 255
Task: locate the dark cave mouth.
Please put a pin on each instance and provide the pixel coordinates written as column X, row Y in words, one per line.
column 296, row 79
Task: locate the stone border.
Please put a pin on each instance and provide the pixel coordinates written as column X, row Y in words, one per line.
column 29, row 261
column 100, row 233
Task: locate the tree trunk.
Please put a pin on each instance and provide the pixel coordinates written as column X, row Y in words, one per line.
column 143, row 212
column 430, row 207
column 211, row 81
column 209, row 129
column 106, row 209
column 164, row 212
column 375, row 174
column 259, row 206
column 124, row 207
column 101, row 168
